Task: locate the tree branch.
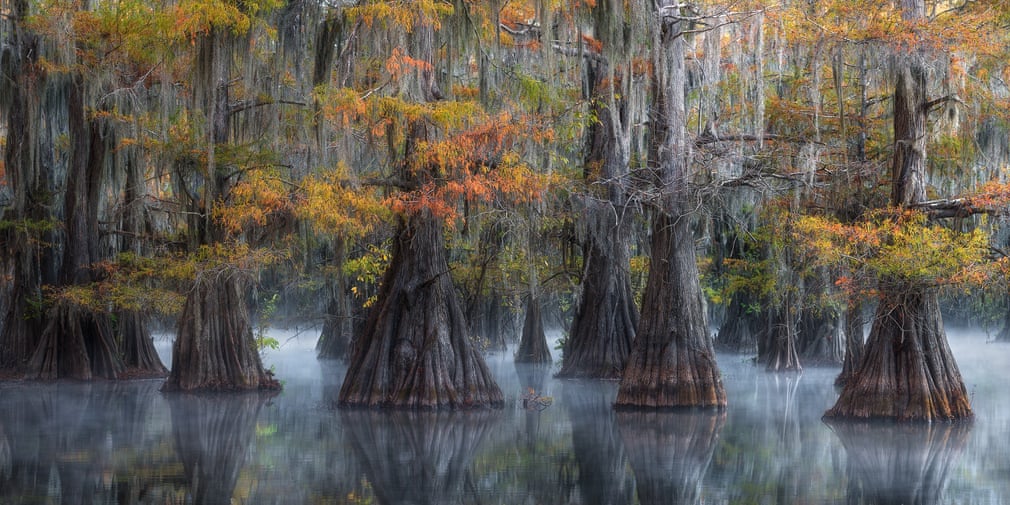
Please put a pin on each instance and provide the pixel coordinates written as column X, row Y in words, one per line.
column 928, row 106
column 948, row 208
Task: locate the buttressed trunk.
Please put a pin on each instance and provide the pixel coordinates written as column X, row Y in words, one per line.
column 603, row 327
column 672, row 363
column 415, row 351
column 908, row 372
column 214, row 348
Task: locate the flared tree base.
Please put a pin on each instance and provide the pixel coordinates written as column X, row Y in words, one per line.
column 415, row 352
column 533, row 345
column 214, row 348
column 908, row 372
column 668, row 377
column 76, row 344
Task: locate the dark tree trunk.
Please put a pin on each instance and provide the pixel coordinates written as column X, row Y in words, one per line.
column 900, row 464
column 212, row 437
column 215, row 349
column 137, row 347
column 341, row 320
column 605, row 320
column 415, row 351
column 77, row 342
column 672, row 363
column 603, row 478
column 778, row 350
column 214, row 346
column 338, row 328
column 417, row 457
column 907, row 372
column 743, row 326
column 822, row 341
column 533, row 344
column 131, row 326
column 670, row 452
column 34, row 103
column 854, row 347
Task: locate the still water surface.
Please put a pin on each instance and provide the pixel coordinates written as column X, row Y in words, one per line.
column 120, row 443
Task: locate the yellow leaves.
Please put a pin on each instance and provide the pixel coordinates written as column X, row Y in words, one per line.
column 405, row 15
column 253, row 201
column 890, row 246
column 194, row 18
column 335, row 204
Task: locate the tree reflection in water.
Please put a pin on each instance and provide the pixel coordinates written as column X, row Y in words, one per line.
column 212, row 434
column 599, row 452
column 417, row 456
column 67, row 436
column 893, row 464
column 670, row 452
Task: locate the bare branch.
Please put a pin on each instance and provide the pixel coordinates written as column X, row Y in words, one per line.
column 948, row 208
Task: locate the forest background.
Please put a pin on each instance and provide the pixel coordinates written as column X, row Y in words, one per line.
column 213, row 165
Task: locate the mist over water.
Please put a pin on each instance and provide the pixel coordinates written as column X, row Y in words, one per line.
column 128, row 443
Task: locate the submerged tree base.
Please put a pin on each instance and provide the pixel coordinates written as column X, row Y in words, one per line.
column 908, row 372
column 415, row 351
column 214, row 349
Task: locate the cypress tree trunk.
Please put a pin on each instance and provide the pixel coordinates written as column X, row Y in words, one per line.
column 604, row 325
column 854, row 347
column 533, row 344
column 131, row 326
column 672, row 363
column 742, row 328
column 214, row 345
column 907, row 372
column 415, row 351
column 215, row 348
column 339, row 324
column 77, row 342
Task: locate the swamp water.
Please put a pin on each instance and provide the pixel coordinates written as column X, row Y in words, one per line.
column 119, row 443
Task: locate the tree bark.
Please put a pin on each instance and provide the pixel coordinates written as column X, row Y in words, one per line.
column 908, row 372
column 605, row 319
column 77, row 342
column 415, row 351
column 214, row 346
column 533, row 344
column 672, row 363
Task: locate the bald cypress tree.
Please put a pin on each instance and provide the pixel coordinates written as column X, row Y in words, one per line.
column 907, row 372
column 672, row 362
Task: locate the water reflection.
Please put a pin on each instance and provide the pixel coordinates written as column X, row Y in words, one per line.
column 893, row 464
column 66, row 437
column 417, row 457
column 670, row 452
column 213, row 433
column 603, row 477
